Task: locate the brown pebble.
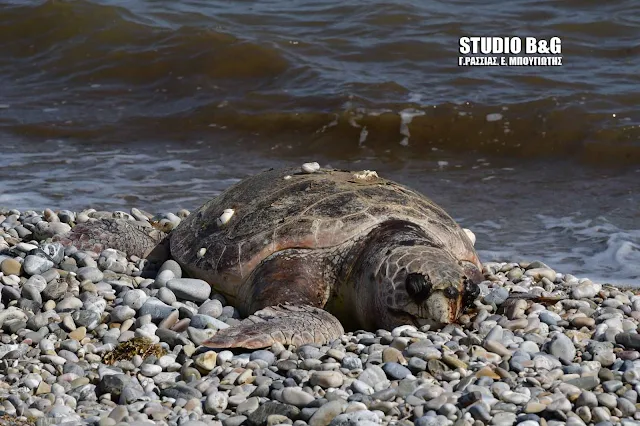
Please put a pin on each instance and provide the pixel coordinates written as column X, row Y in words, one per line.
column 629, row 355
column 170, row 320
column 453, row 362
column 534, row 407
column 488, row 372
column 393, row 355
column 516, row 324
column 10, row 267
column 496, row 348
column 583, row 322
column 79, row 333
column 181, row 325
column 43, row 388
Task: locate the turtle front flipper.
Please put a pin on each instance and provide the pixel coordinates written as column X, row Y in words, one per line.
column 120, row 234
column 287, row 324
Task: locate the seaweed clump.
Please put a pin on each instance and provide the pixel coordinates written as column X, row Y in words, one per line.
column 142, row 346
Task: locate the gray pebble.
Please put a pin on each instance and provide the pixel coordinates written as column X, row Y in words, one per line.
column 157, row 309
column 90, row 273
column 173, row 266
column 562, row 348
column 35, row 265
column 190, row 289
column 395, row 371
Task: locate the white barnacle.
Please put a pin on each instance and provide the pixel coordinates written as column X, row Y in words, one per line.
column 225, row 216
column 471, row 235
column 201, row 252
column 310, row 167
column 287, row 177
column 366, row 174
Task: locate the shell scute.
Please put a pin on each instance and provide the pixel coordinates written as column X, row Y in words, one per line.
column 338, row 205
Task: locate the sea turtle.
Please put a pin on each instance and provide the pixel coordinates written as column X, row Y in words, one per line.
column 304, row 253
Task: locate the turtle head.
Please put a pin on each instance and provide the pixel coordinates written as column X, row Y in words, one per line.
column 417, row 280
column 430, row 287
column 424, row 285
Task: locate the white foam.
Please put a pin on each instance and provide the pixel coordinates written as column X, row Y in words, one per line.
column 605, row 246
column 406, row 116
column 592, row 248
column 415, row 97
column 363, row 135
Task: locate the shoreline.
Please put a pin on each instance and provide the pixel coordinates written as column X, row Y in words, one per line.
column 569, row 357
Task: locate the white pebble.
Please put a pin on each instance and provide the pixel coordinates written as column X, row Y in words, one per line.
column 494, row 117
column 471, row 235
column 225, row 217
column 201, row 252
column 287, row 177
column 310, row 167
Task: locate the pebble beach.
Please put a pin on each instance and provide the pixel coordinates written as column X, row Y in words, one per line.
column 103, row 339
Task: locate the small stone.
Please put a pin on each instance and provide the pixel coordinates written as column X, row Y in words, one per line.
column 586, row 399
column 90, row 273
column 562, row 348
column 43, row 388
column 191, row 289
column 327, row 412
column 354, row 418
column 215, row 403
column 539, row 273
column 392, row 355
column 134, row 298
column 212, row 308
column 326, row 379
column 10, row 267
column 150, row 370
column 628, row 340
column 259, row 416
column 206, row 360
column 122, row 313
column 264, row 355
column 626, row 407
column 534, row 407
column 78, row 334
column 155, row 308
column 374, row 375
column 310, row 167
column 497, row 296
column 585, row 290
column 35, row 265
column 296, row 396
column 583, row 322
column 496, row 347
column 248, row 406
column 549, row 318
column 586, row 382
column 173, row 266
column 55, row 290
column 395, row 371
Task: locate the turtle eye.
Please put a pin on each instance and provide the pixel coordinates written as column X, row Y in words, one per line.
column 451, row 292
column 418, row 286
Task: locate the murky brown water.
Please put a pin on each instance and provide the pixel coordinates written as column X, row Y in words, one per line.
column 161, row 104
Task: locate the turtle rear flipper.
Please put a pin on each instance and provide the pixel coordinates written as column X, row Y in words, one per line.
column 286, row 324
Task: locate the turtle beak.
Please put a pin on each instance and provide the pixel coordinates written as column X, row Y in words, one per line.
column 443, row 306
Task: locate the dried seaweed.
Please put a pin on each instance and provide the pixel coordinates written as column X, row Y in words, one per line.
column 142, row 346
